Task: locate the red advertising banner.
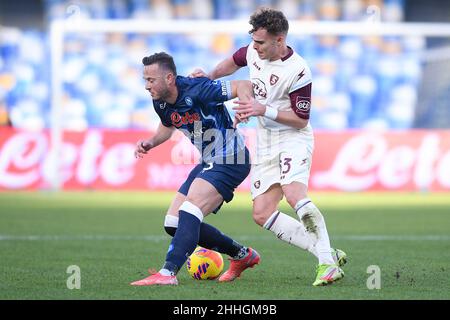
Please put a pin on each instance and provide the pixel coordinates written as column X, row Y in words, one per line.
column 417, row 160
column 103, row 159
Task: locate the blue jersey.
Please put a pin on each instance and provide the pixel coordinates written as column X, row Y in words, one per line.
column 199, row 112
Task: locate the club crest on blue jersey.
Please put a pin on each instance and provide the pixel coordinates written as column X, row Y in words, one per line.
column 188, row 101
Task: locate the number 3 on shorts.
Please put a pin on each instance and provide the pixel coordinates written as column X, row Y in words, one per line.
column 285, row 165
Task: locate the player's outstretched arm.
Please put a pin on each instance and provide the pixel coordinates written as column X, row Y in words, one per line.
column 289, row 118
column 252, row 107
column 162, row 134
column 244, row 91
column 224, row 68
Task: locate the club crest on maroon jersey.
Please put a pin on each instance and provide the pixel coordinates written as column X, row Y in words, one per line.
column 273, row 79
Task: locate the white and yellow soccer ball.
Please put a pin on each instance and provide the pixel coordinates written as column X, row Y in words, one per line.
column 204, row 264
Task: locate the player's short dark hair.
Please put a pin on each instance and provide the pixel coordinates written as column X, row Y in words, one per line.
column 273, row 21
column 163, row 60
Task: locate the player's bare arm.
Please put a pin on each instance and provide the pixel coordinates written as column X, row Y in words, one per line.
column 162, row 134
column 241, row 89
column 252, row 107
column 224, row 68
column 244, row 91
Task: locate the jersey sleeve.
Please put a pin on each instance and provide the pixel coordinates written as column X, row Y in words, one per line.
column 160, row 114
column 301, row 101
column 301, row 78
column 240, row 57
column 165, row 123
column 217, row 90
column 300, row 92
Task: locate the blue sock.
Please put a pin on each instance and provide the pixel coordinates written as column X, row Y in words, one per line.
column 184, row 241
column 213, row 239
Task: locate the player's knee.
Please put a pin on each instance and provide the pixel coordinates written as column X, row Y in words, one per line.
column 292, row 199
column 259, row 220
column 293, row 196
column 198, row 200
column 260, row 215
column 206, row 202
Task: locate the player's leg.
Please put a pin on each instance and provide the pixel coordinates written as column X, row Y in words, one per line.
column 267, row 193
column 207, row 192
column 226, row 178
column 201, row 199
column 171, row 219
column 295, row 165
column 210, row 237
column 312, row 219
column 328, row 270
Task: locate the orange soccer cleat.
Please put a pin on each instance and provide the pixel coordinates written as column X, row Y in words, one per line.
column 238, row 266
column 156, row 279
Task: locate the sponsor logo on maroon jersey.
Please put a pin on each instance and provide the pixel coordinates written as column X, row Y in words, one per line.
column 259, row 88
column 302, row 104
column 274, row 79
column 178, row 120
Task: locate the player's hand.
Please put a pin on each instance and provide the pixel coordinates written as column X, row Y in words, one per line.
column 142, row 147
column 197, row 73
column 249, row 108
column 238, row 118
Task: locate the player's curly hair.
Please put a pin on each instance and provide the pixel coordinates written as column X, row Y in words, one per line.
column 272, row 20
column 164, row 61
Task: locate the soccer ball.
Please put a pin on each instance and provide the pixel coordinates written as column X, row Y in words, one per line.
column 204, row 264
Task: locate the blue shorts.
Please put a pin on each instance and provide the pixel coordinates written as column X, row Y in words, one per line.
column 224, row 177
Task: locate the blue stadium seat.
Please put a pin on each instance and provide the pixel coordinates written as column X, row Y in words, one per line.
column 358, row 82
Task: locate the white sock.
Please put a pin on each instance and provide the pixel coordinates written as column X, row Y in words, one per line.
column 314, row 223
column 290, row 230
column 166, row 272
column 171, row 221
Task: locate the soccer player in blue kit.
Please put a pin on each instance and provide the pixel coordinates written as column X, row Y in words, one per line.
column 196, row 107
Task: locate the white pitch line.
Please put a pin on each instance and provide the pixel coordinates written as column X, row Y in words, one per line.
column 152, row 238
column 158, row 238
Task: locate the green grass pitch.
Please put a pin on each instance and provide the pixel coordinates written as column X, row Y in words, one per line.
column 115, row 237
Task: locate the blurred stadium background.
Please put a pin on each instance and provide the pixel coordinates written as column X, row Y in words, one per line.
column 389, row 82
column 89, row 81
column 73, row 104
